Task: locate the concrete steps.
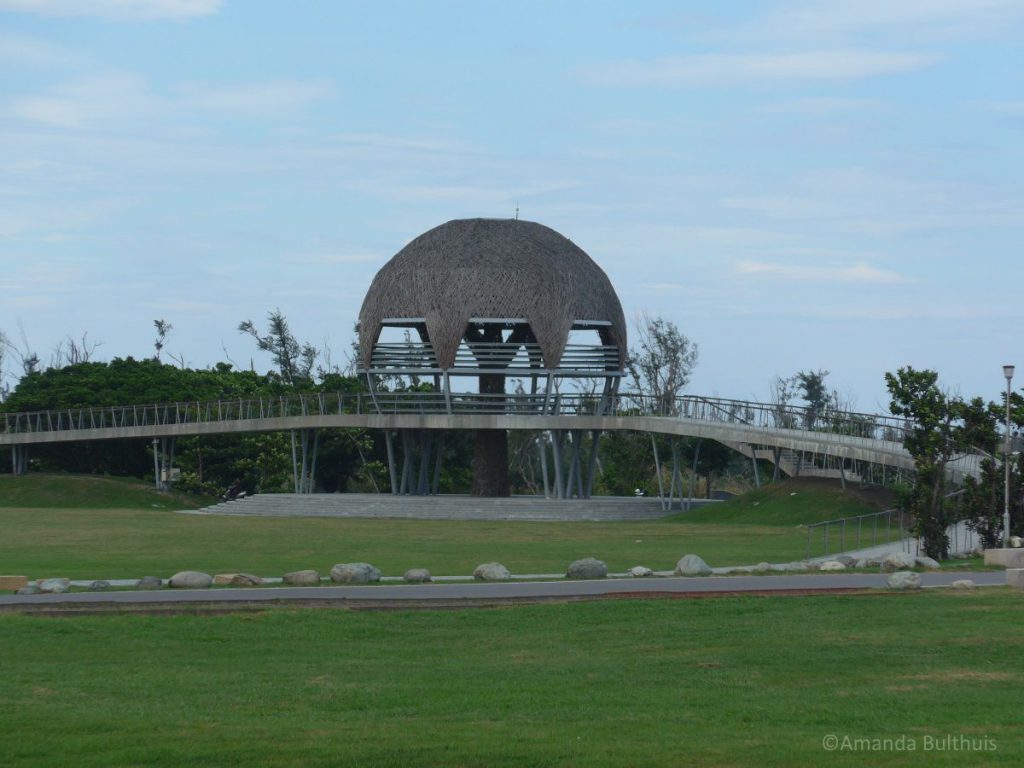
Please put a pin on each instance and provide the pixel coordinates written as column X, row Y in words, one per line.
column 606, row 508
column 789, row 463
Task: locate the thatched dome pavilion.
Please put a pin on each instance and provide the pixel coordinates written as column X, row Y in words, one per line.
column 491, row 299
column 484, row 270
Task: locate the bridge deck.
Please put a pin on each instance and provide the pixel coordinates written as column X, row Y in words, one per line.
column 861, row 437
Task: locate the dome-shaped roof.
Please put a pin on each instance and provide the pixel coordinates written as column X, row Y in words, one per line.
column 492, row 268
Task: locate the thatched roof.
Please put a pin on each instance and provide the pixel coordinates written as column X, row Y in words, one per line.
column 492, row 268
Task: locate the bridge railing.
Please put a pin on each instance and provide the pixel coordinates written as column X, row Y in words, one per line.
column 767, row 416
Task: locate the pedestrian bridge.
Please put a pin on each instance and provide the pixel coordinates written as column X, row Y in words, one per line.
column 762, row 430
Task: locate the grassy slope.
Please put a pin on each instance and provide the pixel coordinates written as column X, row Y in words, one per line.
column 793, row 502
column 44, row 491
column 720, row 682
column 138, row 540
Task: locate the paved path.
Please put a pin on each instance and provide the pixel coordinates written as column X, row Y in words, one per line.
column 427, row 593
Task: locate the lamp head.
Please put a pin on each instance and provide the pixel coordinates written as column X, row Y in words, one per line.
column 1008, row 372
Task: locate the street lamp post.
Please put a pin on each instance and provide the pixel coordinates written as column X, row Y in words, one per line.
column 1008, row 373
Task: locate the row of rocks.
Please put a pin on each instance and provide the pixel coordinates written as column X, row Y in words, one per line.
column 59, row 587
column 587, row 568
column 892, row 562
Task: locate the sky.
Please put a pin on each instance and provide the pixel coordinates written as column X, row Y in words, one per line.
column 797, row 185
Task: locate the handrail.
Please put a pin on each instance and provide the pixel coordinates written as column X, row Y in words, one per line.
column 842, row 522
column 767, row 416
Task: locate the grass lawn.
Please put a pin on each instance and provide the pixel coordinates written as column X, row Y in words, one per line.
column 104, row 535
column 711, row 682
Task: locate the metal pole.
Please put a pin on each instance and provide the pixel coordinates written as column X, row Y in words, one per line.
column 657, row 471
column 1008, row 372
column 156, row 463
column 295, row 466
column 541, row 442
column 392, row 473
column 693, row 474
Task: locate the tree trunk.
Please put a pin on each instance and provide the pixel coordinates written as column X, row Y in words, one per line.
column 490, row 456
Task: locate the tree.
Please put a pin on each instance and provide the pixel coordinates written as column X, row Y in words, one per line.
column 162, row 329
column 295, row 361
column 662, row 363
column 70, row 351
column 811, row 385
column 941, row 428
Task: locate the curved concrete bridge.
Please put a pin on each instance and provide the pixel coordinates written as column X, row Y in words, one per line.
column 745, row 425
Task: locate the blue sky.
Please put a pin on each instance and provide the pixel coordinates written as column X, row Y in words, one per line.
column 797, row 185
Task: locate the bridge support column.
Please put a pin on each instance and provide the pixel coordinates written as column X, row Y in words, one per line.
column 19, row 459
column 304, row 460
column 426, row 440
column 595, row 439
column 753, row 459
column 693, row 474
column 403, row 484
column 657, row 472
column 543, row 450
column 557, row 441
column 677, row 475
column 389, row 445
column 437, row 465
column 163, row 462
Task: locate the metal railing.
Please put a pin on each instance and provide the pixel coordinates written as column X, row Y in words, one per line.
column 764, row 416
column 897, row 528
column 885, row 527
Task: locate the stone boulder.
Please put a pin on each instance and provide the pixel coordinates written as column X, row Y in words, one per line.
column 762, row 567
column 417, row 576
column 1016, row 542
column 237, row 580
column 491, row 572
column 692, row 565
column 832, row 565
column 897, row 561
column 29, row 590
column 640, row 572
column 305, row 578
column 846, row 560
column 587, row 568
column 190, row 580
column 150, row 582
column 796, row 566
column 924, row 561
column 862, row 563
column 54, row 586
column 904, row 580
column 964, row 584
column 100, row 585
column 354, row 573
column 11, row 583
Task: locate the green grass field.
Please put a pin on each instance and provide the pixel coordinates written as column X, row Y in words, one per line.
column 710, row 682
column 102, row 528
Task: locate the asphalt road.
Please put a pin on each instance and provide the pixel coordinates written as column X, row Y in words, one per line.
column 516, row 591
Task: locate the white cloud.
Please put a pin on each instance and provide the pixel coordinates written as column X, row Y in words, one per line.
column 853, row 273
column 28, row 51
column 117, row 97
column 812, row 21
column 718, row 69
column 255, row 98
column 88, row 101
column 117, row 10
